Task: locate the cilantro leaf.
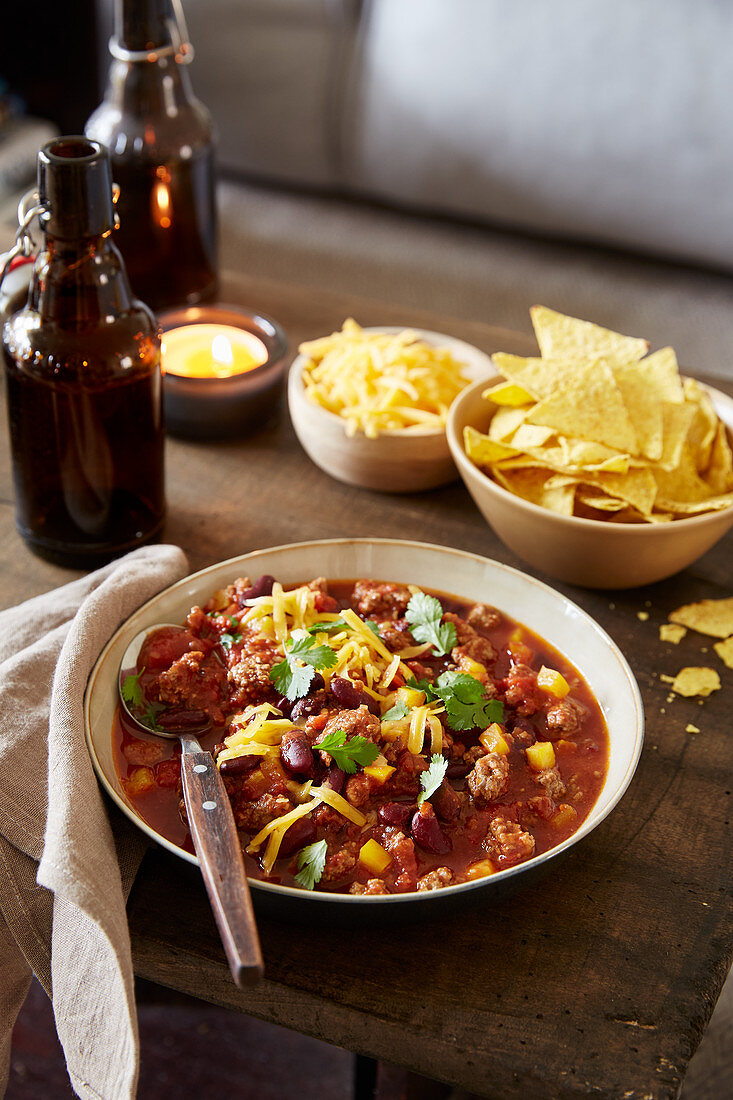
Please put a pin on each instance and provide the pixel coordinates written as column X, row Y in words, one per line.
column 327, row 628
column 293, row 675
column 466, row 703
column 399, row 710
column 424, row 614
column 150, row 719
column 422, row 685
column 431, row 779
column 311, row 861
column 131, row 691
column 347, row 754
column 373, row 627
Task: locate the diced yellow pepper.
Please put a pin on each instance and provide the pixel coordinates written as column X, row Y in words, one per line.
column 541, row 755
column 379, row 773
column 473, row 668
column 554, row 683
column 141, row 781
column 481, row 869
column 565, row 815
column 493, row 739
column 410, row 697
column 565, row 746
column 374, row 857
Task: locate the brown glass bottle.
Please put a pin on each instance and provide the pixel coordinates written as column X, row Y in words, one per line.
column 83, row 377
column 161, row 142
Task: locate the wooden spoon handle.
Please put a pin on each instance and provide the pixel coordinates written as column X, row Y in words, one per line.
column 217, row 845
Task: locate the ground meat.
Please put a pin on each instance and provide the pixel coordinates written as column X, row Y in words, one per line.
column 564, row 718
column 507, row 843
column 323, row 601
column 354, row 723
column 482, row 617
column 250, row 676
column 340, row 863
column 521, row 691
column 489, row 777
column 253, row 816
column 551, row 780
column 421, row 671
column 446, row 802
column 195, row 682
column 395, row 635
column 470, row 645
column 435, row 880
column 328, row 819
column 357, row 789
column 539, row 808
column 142, row 752
column 381, row 601
column 523, row 736
column 404, row 861
column 198, row 622
column 372, row 887
column 406, row 779
column 474, row 754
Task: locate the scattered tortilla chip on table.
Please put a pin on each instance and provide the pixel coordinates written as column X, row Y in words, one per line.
column 672, row 632
column 725, row 651
column 713, row 617
column 696, row 681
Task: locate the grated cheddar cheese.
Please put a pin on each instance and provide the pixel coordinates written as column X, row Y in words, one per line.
column 381, row 382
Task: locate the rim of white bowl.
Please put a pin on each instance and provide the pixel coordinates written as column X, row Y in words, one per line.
column 454, row 344
column 635, row 530
column 329, row 898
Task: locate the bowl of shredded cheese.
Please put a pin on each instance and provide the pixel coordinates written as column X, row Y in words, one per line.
column 369, row 406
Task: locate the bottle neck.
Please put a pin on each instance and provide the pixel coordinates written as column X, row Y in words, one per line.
column 146, row 26
column 81, row 283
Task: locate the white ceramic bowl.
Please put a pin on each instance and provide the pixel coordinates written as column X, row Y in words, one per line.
column 529, row 601
column 586, row 552
column 396, row 461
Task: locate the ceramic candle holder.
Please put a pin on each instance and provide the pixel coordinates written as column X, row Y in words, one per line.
column 222, row 370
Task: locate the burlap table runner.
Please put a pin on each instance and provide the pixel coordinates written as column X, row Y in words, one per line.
column 67, row 863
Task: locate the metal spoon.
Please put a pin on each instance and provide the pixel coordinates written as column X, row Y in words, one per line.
column 214, row 833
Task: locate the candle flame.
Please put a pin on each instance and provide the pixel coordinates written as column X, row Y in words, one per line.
column 162, row 205
column 221, row 351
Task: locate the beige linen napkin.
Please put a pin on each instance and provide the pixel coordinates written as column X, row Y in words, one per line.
column 65, row 871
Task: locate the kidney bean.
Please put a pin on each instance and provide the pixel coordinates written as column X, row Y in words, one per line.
column 351, row 695
column 285, row 706
column 300, row 833
column 295, row 753
column 395, row 813
column 238, row 765
column 311, row 704
column 334, row 779
column 427, row 832
column 261, row 587
column 171, row 720
column 458, row 769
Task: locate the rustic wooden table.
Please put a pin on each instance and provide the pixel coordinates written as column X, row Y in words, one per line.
column 598, row 979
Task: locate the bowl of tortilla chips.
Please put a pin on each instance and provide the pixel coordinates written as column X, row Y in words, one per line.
column 597, row 462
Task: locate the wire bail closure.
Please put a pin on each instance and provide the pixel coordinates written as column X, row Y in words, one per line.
column 180, row 47
column 24, row 243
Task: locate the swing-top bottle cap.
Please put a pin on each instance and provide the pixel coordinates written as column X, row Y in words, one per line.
column 75, row 188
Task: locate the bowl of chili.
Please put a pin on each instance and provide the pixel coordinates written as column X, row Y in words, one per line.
column 500, row 728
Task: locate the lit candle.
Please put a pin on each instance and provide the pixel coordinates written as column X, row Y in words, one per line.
column 223, row 369
column 211, row 351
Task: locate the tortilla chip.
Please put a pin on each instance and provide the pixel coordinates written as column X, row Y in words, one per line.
column 531, row 436
column 704, row 424
column 645, row 387
column 713, row 617
column 505, row 422
column 696, row 681
column 689, row 728
column 526, row 483
column 592, row 498
column 671, row 632
column 682, row 484
column 719, row 473
column 482, row 450
column 591, row 409
column 676, row 421
column 637, row 487
column 725, row 651
column 568, row 337
column 507, row 393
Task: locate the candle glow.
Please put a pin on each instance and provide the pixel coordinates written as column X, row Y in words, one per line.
column 211, row 351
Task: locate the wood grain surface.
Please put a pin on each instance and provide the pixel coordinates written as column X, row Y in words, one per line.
column 598, row 979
